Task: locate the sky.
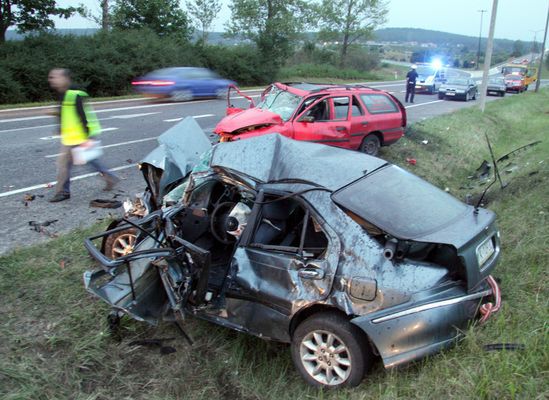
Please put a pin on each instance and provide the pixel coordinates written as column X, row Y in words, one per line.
column 516, row 19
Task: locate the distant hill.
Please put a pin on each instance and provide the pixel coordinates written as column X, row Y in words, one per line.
column 400, row 35
column 444, row 39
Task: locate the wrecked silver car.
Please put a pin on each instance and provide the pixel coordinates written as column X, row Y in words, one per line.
column 344, row 256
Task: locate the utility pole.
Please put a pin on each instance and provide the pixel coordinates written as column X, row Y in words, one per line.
column 479, row 36
column 105, row 20
column 534, row 43
column 542, row 51
column 488, row 56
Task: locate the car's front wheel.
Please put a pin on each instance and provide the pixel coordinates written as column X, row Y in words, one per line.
column 121, row 243
column 370, row 145
column 330, row 352
column 441, row 96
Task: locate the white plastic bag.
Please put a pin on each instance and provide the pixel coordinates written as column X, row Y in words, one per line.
column 86, row 152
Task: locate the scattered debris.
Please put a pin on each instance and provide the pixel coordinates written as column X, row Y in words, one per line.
column 103, row 203
column 482, row 173
column 65, row 261
column 424, row 141
column 504, row 346
column 411, row 161
column 129, row 161
column 49, row 185
column 28, row 197
column 40, row 227
column 155, row 343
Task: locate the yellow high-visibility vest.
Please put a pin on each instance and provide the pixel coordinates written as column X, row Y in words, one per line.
column 72, row 129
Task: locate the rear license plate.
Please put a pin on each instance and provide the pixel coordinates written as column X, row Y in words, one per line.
column 450, row 94
column 485, row 251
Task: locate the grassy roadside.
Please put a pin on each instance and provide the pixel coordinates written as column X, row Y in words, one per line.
column 53, row 341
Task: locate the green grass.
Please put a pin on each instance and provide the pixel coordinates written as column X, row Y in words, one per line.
column 54, row 342
column 329, row 73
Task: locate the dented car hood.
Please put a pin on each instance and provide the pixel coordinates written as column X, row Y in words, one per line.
column 247, row 118
column 179, row 150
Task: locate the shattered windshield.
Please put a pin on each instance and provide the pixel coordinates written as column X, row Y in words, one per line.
column 399, row 203
column 280, row 102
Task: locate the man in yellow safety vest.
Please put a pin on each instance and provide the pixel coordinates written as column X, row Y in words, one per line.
column 78, row 126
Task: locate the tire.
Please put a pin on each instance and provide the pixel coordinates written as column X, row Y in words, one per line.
column 466, row 97
column 370, row 145
column 440, row 96
column 475, row 96
column 330, row 352
column 181, row 95
column 120, row 243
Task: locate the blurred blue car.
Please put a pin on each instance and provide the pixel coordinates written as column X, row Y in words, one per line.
column 182, row 83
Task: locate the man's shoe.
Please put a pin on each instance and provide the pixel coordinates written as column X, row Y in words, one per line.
column 60, row 197
column 111, row 182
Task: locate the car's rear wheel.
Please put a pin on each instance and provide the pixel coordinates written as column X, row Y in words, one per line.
column 120, row 243
column 182, row 95
column 330, row 352
column 370, row 145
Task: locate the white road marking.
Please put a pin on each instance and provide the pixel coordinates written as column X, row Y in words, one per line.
column 114, row 145
column 132, row 115
column 29, row 127
column 26, row 118
column 194, row 116
column 75, row 178
column 57, row 105
column 424, row 104
column 54, row 137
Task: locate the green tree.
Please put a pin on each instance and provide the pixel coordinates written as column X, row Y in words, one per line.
column 204, row 11
column 30, row 15
column 518, row 49
column 273, row 25
column 164, row 17
column 348, row 21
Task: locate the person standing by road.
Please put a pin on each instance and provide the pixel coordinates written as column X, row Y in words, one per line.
column 411, row 78
column 78, row 126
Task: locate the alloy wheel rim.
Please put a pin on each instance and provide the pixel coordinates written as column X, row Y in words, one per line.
column 325, row 357
column 123, row 245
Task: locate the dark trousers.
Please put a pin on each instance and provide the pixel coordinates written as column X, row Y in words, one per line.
column 410, row 92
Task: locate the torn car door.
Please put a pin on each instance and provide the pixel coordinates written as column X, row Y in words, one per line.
column 286, row 263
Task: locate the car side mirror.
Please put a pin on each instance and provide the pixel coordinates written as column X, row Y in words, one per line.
column 307, row 118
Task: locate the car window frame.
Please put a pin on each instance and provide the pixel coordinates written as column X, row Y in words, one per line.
column 397, row 108
column 310, row 213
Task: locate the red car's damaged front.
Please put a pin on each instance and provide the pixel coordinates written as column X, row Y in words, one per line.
column 271, row 115
column 349, row 116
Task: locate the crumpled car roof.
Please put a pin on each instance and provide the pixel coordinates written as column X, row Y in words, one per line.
column 274, row 157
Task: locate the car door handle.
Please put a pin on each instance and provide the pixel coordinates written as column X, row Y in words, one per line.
column 341, row 128
column 364, row 123
column 311, row 273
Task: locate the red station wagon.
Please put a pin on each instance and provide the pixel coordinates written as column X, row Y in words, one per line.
column 349, row 116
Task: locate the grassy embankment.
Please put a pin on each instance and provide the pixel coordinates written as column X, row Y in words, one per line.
column 54, row 342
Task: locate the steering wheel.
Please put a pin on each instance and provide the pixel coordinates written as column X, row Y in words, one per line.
column 218, row 220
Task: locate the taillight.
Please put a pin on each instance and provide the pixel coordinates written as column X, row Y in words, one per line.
column 153, row 83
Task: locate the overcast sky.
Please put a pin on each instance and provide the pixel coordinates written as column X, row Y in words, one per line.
column 516, row 19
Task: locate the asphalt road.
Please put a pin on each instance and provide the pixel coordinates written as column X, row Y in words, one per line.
column 130, row 127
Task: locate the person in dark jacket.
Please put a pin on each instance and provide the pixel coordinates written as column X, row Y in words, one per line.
column 78, row 126
column 411, row 78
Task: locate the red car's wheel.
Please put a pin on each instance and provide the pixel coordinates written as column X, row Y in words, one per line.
column 370, row 145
